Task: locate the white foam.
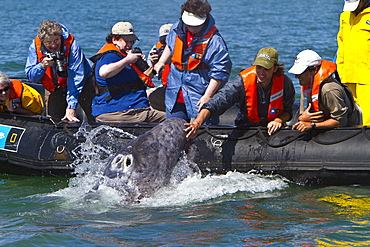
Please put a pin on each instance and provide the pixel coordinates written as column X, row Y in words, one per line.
column 200, row 190
column 93, row 159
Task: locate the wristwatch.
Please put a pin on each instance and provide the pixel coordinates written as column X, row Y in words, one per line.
column 313, row 125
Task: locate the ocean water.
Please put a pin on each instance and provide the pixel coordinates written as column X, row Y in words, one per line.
column 225, row 210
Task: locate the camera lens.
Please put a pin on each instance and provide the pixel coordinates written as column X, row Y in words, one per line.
column 140, row 63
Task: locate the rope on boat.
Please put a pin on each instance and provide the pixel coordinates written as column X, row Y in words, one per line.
column 362, row 130
column 208, row 131
column 288, row 140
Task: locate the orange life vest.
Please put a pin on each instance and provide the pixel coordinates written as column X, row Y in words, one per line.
column 197, row 52
column 167, row 67
column 16, row 89
column 327, row 68
column 48, row 78
column 276, row 105
column 112, row 47
column 15, row 92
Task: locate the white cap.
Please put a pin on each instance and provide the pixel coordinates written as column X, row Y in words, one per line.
column 192, row 20
column 350, row 5
column 165, row 29
column 125, row 29
column 304, row 60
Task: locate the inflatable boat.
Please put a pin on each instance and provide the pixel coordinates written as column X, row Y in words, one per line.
column 35, row 145
column 38, row 146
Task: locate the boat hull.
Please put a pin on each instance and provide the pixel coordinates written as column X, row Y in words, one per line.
column 37, row 146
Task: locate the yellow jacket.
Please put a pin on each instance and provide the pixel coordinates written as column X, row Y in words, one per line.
column 353, row 58
column 30, row 99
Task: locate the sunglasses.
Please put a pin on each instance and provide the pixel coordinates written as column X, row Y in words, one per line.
column 4, row 89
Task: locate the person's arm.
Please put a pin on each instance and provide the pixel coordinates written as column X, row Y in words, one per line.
column 153, row 56
column 112, row 69
column 333, row 99
column 35, row 70
column 30, row 103
column 276, row 124
column 230, row 94
column 340, row 37
column 165, row 59
column 18, row 108
column 305, row 119
column 192, row 128
column 305, row 126
column 308, row 116
column 218, row 60
column 210, row 91
column 286, row 115
column 78, row 71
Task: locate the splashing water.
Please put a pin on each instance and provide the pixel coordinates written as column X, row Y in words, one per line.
column 217, row 188
column 186, row 185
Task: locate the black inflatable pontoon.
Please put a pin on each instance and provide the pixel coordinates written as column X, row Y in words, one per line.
column 38, row 146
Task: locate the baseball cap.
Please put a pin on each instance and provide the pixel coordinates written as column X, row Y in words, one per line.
column 350, row 5
column 125, row 29
column 192, row 20
column 266, row 57
column 304, row 60
column 164, row 29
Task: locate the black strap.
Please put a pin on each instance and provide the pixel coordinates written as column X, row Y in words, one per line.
column 114, row 89
column 334, row 77
column 121, row 88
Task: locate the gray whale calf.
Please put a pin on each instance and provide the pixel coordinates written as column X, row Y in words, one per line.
column 152, row 161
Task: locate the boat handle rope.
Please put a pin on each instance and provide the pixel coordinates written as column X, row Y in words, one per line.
column 209, row 132
column 362, row 130
column 289, row 140
column 259, row 130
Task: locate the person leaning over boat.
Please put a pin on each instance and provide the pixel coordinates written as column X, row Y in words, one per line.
column 18, row 97
column 353, row 55
column 56, row 60
column 121, row 82
column 263, row 94
column 199, row 58
column 330, row 103
column 156, row 98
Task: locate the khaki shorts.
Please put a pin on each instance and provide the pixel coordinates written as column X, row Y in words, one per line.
column 140, row 115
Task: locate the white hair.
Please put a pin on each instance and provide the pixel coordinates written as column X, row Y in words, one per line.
column 4, row 79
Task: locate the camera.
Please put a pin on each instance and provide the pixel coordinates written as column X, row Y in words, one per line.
column 140, row 63
column 15, row 102
column 160, row 51
column 58, row 58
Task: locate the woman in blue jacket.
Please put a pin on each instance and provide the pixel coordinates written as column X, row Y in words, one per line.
column 199, row 58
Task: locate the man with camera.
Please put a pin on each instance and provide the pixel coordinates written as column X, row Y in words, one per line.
column 156, row 98
column 56, row 60
column 120, row 80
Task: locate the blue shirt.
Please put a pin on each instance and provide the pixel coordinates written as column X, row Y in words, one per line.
column 119, row 102
column 78, row 69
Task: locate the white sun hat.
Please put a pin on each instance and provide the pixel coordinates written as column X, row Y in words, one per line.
column 192, row 20
column 350, row 5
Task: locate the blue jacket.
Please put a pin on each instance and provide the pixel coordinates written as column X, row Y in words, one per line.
column 194, row 83
column 78, row 70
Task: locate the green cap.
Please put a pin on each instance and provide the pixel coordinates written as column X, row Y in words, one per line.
column 266, row 57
